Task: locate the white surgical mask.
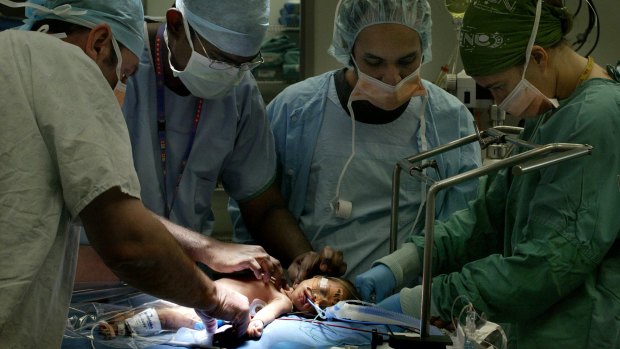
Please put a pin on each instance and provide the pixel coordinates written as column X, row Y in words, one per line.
column 525, row 99
column 386, row 96
column 120, row 88
column 200, row 78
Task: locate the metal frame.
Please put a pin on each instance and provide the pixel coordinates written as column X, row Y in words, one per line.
column 537, row 157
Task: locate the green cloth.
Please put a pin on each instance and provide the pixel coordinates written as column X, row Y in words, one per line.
column 280, row 43
column 494, row 36
column 540, row 251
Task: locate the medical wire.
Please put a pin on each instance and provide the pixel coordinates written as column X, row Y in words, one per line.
column 452, row 309
column 470, row 307
column 450, row 66
column 322, row 323
column 597, row 24
column 423, row 146
column 593, row 21
column 334, row 201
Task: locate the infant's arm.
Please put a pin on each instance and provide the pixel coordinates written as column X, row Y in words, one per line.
column 278, row 306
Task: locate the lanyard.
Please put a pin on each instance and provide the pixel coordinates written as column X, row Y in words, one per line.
column 161, row 125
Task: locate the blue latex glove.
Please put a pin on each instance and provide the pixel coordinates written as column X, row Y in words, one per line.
column 391, row 303
column 375, row 284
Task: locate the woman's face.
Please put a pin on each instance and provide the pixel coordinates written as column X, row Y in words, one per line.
column 388, row 52
column 500, row 84
column 527, row 102
column 331, row 293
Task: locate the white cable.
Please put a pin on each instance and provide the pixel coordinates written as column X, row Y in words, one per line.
column 334, row 201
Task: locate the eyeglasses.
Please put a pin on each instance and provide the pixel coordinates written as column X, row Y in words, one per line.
column 220, row 65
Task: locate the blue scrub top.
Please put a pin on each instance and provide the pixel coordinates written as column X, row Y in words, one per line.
column 233, row 144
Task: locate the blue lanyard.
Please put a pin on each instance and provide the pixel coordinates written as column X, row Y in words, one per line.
column 161, row 124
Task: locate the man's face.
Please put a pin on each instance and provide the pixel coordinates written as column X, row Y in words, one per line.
column 129, row 66
column 181, row 51
column 388, row 52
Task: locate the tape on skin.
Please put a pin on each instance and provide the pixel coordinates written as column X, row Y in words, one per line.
column 145, row 323
column 121, row 329
column 323, row 286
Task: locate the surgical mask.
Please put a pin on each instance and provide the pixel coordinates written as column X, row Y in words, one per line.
column 199, row 76
column 386, row 96
column 121, row 88
column 525, row 99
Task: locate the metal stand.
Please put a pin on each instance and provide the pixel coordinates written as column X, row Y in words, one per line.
column 537, row 157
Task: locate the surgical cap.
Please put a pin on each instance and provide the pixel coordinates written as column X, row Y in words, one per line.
column 234, row 26
column 125, row 18
column 495, row 35
column 354, row 15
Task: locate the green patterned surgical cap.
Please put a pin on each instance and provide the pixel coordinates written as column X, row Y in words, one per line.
column 495, row 33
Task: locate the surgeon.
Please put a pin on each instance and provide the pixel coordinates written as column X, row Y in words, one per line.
column 339, row 134
column 196, row 119
column 538, row 251
column 66, row 155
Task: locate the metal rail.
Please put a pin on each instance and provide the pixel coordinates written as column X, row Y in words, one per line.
column 537, row 157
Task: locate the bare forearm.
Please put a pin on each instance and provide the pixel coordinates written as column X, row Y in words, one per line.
column 278, row 232
column 193, row 243
column 138, row 249
column 165, row 273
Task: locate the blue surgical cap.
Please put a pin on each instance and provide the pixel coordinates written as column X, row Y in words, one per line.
column 354, row 15
column 234, row 26
column 125, row 17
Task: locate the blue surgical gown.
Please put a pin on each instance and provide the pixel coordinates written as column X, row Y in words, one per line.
column 233, row 146
column 313, row 140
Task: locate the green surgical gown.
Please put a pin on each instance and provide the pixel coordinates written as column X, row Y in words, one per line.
column 540, row 251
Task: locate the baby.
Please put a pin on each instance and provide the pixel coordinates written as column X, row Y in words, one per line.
column 322, row 290
column 268, row 303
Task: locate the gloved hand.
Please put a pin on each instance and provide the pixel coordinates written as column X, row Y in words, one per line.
column 391, row 303
column 411, row 302
column 231, row 306
column 375, row 284
column 330, row 262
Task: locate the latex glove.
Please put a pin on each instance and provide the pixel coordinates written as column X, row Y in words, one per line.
column 231, row 306
column 412, row 301
column 226, row 257
column 391, row 303
column 375, row 284
column 329, row 262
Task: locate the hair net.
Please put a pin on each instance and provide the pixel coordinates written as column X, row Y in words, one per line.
column 125, row 18
column 233, row 26
column 494, row 36
column 354, row 15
